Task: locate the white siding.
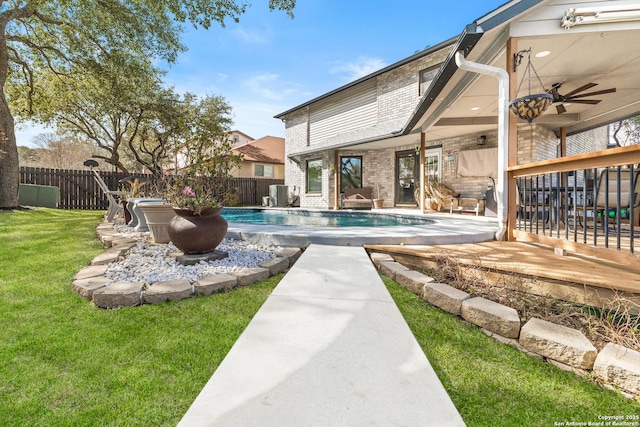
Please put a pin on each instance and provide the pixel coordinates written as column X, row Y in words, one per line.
column 345, row 111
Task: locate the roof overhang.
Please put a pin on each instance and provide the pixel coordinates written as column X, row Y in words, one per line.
column 461, row 103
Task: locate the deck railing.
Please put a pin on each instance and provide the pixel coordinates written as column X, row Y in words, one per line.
column 584, row 203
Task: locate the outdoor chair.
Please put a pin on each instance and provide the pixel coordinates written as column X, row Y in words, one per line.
column 608, row 204
column 531, row 205
column 112, row 195
column 358, row 198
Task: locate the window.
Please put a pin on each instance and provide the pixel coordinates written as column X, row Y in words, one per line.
column 314, row 176
column 350, row 173
column 263, row 170
column 426, row 77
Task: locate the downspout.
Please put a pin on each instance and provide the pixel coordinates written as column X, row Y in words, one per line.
column 503, row 129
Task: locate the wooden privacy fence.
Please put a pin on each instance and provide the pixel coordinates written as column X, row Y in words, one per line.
column 79, row 189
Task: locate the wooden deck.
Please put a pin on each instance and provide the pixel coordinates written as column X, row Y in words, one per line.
column 583, row 279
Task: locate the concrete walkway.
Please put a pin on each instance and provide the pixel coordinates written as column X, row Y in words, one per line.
column 329, row 347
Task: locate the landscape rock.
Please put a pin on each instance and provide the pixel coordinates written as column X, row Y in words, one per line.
column 377, row 258
column 119, row 294
column 445, row 297
column 86, row 287
column 171, row 290
column 559, row 343
column 110, row 255
column 276, row 265
column 247, row 276
column 490, row 315
column 619, row 366
column 413, row 281
column 390, row 269
column 291, row 253
column 214, row 283
column 91, row 271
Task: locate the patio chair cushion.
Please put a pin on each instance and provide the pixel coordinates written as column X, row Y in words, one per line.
column 608, row 194
column 358, row 198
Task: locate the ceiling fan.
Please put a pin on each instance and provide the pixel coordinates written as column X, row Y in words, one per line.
column 575, row 96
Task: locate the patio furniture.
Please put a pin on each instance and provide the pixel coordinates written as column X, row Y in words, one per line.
column 358, row 198
column 114, row 206
column 533, row 204
column 617, row 194
column 466, row 205
column 138, row 221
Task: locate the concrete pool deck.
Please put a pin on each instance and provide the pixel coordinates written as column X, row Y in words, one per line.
column 442, row 229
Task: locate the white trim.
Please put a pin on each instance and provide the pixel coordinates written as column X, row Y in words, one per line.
column 599, row 15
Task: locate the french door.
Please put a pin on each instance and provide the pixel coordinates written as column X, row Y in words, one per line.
column 407, row 177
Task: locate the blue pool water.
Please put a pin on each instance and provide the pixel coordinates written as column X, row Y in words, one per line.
column 317, row 219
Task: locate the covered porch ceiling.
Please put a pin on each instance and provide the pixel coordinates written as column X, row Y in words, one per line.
column 607, row 55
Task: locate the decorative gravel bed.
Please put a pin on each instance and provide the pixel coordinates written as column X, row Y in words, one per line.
column 134, row 270
column 149, row 263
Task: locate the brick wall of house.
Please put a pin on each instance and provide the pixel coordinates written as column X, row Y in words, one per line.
column 296, row 139
column 586, row 142
column 397, row 96
column 466, row 186
column 398, row 89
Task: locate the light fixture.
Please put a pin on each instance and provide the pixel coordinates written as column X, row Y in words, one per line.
column 530, row 106
column 599, row 14
column 481, row 140
column 543, row 54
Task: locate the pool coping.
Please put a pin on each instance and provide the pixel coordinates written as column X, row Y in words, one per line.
column 441, row 229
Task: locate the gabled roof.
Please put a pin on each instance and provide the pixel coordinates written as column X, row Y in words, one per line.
column 417, row 55
column 466, row 41
column 243, row 134
column 598, row 54
column 268, row 149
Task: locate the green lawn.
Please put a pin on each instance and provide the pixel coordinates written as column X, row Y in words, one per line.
column 64, row 362
column 494, row 384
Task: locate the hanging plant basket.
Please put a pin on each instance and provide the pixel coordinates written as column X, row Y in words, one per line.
column 530, row 107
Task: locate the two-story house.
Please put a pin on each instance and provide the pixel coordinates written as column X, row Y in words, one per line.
column 443, row 112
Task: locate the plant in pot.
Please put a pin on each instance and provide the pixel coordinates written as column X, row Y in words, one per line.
column 436, row 194
column 198, row 192
column 379, row 202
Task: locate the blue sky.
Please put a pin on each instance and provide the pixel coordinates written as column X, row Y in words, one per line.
column 269, row 63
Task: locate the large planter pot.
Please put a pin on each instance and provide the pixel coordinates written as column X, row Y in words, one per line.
column 157, row 216
column 197, row 234
column 137, row 217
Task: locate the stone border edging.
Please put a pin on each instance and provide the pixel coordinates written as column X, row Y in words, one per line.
column 615, row 366
column 91, row 284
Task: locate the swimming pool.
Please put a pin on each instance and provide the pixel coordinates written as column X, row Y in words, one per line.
column 410, row 228
column 298, row 217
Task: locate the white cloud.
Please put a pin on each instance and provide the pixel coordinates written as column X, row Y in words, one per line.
column 357, row 68
column 253, row 36
column 269, row 86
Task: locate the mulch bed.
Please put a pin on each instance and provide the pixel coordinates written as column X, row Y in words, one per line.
column 615, row 323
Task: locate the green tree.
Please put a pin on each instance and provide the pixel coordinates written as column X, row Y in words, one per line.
column 204, row 155
column 104, row 106
column 626, row 132
column 63, row 36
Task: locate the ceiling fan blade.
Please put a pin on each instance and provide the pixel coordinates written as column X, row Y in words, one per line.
column 598, row 92
column 581, row 88
column 584, row 101
column 560, row 109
